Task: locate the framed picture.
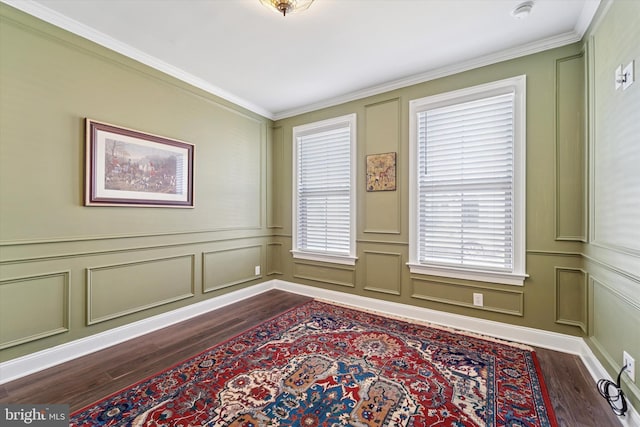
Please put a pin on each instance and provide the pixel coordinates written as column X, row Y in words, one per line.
column 381, row 172
column 125, row 167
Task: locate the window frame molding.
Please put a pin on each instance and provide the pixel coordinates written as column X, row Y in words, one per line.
column 516, row 85
column 349, row 120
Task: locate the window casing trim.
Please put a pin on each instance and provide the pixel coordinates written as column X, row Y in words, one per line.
column 311, row 128
column 516, row 85
column 323, row 257
column 469, row 274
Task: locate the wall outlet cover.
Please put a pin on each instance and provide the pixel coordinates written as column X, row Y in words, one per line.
column 629, row 75
column 257, row 270
column 478, row 300
column 617, row 77
column 630, row 363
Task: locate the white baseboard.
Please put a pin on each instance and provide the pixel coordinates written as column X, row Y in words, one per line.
column 520, row 334
column 29, row 364
column 597, row 371
column 41, row 360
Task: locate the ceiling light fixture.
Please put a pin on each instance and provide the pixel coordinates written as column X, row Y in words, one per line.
column 287, row 6
column 522, row 10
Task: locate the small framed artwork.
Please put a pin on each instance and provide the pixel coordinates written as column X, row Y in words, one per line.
column 381, row 172
column 126, row 167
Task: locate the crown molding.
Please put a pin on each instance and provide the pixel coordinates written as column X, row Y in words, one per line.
column 48, row 15
column 587, row 15
column 601, row 12
column 482, row 61
column 59, row 20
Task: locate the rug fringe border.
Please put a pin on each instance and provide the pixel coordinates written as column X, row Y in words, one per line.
column 413, row 320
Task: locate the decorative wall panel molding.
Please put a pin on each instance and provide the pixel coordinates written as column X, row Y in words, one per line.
column 382, row 272
column 382, row 242
column 275, row 179
column 571, row 297
column 24, row 252
column 570, row 218
column 382, row 210
column 506, row 301
column 120, row 289
column 553, row 253
column 228, row 267
column 331, row 274
column 274, row 258
column 33, row 307
column 613, row 325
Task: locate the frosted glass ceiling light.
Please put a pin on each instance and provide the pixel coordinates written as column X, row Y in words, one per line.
column 287, row 6
column 522, row 10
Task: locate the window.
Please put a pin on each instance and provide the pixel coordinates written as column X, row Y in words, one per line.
column 324, row 190
column 467, row 179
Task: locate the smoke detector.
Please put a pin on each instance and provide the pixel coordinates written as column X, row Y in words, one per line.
column 522, row 10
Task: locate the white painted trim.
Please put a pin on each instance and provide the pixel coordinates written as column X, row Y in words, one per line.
column 22, row 366
column 601, row 13
column 535, row 337
column 505, row 278
column 82, row 30
column 521, row 334
column 31, row 363
column 494, row 58
column 514, row 85
column 589, row 9
column 597, row 371
column 340, row 122
column 75, row 27
column 336, row 259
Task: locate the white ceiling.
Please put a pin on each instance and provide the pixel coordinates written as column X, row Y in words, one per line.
column 335, row 51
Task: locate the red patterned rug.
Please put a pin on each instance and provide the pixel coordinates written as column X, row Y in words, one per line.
column 325, row 365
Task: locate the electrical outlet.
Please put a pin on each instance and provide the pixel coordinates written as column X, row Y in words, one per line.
column 257, row 270
column 630, row 363
column 628, row 75
column 618, row 77
column 477, row 300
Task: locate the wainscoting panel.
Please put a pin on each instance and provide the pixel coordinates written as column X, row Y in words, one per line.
column 33, row 307
column 274, row 258
column 382, row 272
column 382, row 135
column 120, row 289
column 239, row 176
column 506, row 301
column 228, row 267
column 570, row 151
column 571, row 297
column 614, row 317
column 331, row 274
column 275, row 178
column 614, row 328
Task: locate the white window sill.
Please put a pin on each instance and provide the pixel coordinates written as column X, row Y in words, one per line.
column 469, row 274
column 336, row 259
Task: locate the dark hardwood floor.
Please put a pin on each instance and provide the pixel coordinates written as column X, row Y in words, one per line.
column 89, row 378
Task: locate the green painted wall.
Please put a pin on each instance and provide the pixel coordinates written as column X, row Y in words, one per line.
column 612, row 256
column 69, row 271
column 583, row 198
column 554, row 297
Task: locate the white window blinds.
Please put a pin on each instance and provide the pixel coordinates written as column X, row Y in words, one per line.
column 466, row 184
column 323, row 189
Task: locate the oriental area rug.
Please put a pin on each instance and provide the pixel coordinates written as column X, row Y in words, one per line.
column 322, row 364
